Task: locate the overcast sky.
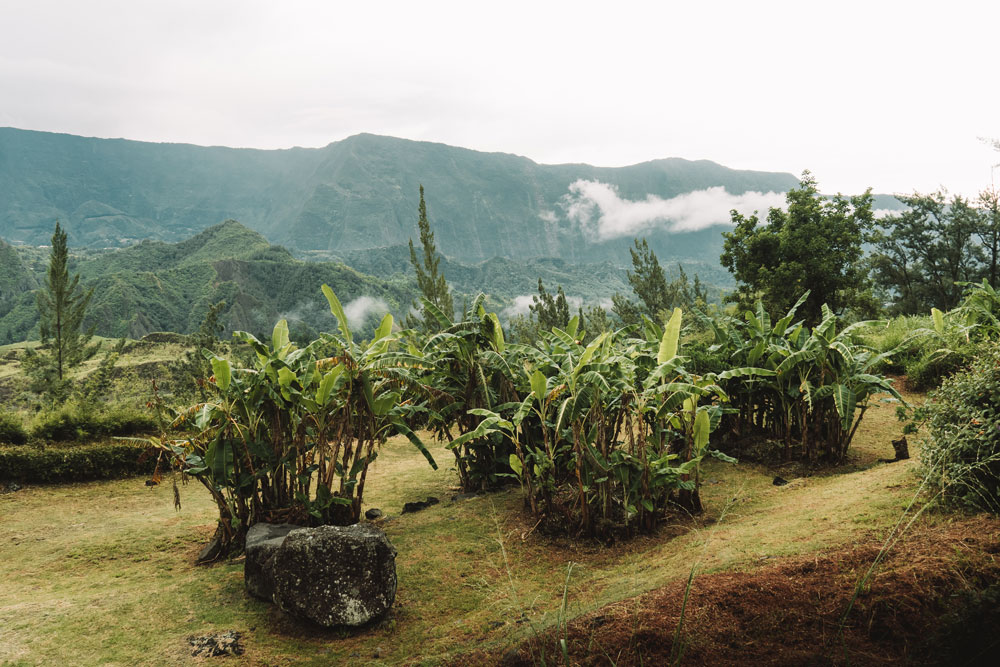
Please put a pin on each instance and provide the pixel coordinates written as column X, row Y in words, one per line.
column 891, row 95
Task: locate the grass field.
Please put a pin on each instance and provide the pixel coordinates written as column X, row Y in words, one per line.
column 103, row 573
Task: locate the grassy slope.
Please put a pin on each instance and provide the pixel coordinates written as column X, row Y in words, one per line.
column 102, row 572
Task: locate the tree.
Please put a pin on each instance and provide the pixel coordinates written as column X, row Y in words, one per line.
column 921, row 255
column 989, row 232
column 430, row 281
column 657, row 297
column 62, row 304
column 551, row 310
column 814, row 246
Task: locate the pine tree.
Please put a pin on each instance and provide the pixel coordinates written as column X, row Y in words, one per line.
column 431, row 283
column 657, row 297
column 62, row 304
column 551, row 310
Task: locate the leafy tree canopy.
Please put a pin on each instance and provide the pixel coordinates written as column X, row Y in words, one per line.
column 815, row 245
column 922, row 255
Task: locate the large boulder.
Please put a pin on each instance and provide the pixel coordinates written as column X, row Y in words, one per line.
column 335, row 575
column 263, row 540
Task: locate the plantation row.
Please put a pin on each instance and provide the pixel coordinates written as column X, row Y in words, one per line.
column 603, row 434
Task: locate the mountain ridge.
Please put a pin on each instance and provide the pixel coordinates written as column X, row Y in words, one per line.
column 352, row 194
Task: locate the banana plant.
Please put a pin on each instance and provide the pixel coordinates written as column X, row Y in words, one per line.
column 290, row 437
column 611, row 433
column 465, row 370
column 802, row 386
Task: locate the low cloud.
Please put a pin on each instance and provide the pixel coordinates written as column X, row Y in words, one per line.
column 519, row 307
column 357, row 311
column 602, row 213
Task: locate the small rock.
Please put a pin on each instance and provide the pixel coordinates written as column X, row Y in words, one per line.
column 211, row 551
column 409, row 508
column 779, row 481
column 464, row 496
column 374, row 514
column 224, row 643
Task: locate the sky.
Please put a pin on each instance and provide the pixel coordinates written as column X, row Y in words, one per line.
column 890, row 95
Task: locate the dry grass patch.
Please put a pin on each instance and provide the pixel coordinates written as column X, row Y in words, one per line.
column 103, row 572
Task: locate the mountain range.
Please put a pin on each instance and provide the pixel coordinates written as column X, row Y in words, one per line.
column 153, row 226
column 351, row 195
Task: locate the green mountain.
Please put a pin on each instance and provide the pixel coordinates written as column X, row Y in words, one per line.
column 159, row 286
column 355, row 194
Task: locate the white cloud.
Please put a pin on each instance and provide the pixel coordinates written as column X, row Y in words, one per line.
column 519, row 307
column 548, row 216
column 357, row 311
column 603, row 214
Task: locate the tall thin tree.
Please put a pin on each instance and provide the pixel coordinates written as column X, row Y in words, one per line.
column 429, row 278
column 62, row 304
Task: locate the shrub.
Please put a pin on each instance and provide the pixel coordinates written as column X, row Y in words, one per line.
column 962, row 451
column 79, row 422
column 105, row 460
column 927, row 370
column 12, row 431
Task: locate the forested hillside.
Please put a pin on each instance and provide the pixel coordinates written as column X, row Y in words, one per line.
column 158, row 286
column 355, row 194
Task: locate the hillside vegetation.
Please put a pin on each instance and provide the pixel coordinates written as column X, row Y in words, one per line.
column 158, row 286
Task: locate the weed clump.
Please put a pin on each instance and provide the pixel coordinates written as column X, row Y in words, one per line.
column 962, row 452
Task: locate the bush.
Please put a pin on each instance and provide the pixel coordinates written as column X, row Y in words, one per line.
column 12, row 431
column 79, row 422
column 928, row 369
column 31, row 465
column 962, row 452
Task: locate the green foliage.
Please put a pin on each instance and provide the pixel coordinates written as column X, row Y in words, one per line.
column 814, row 248
column 805, row 386
column 81, row 422
column 155, row 286
column 96, row 388
column 105, row 460
column 62, row 306
column 290, row 437
column 429, row 279
column 961, row 452
column 467, row 371
column 657, row 297
column 549, row 310
column 933, row 348
column 12, row 431
column 923, row 256
column 609, row 433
